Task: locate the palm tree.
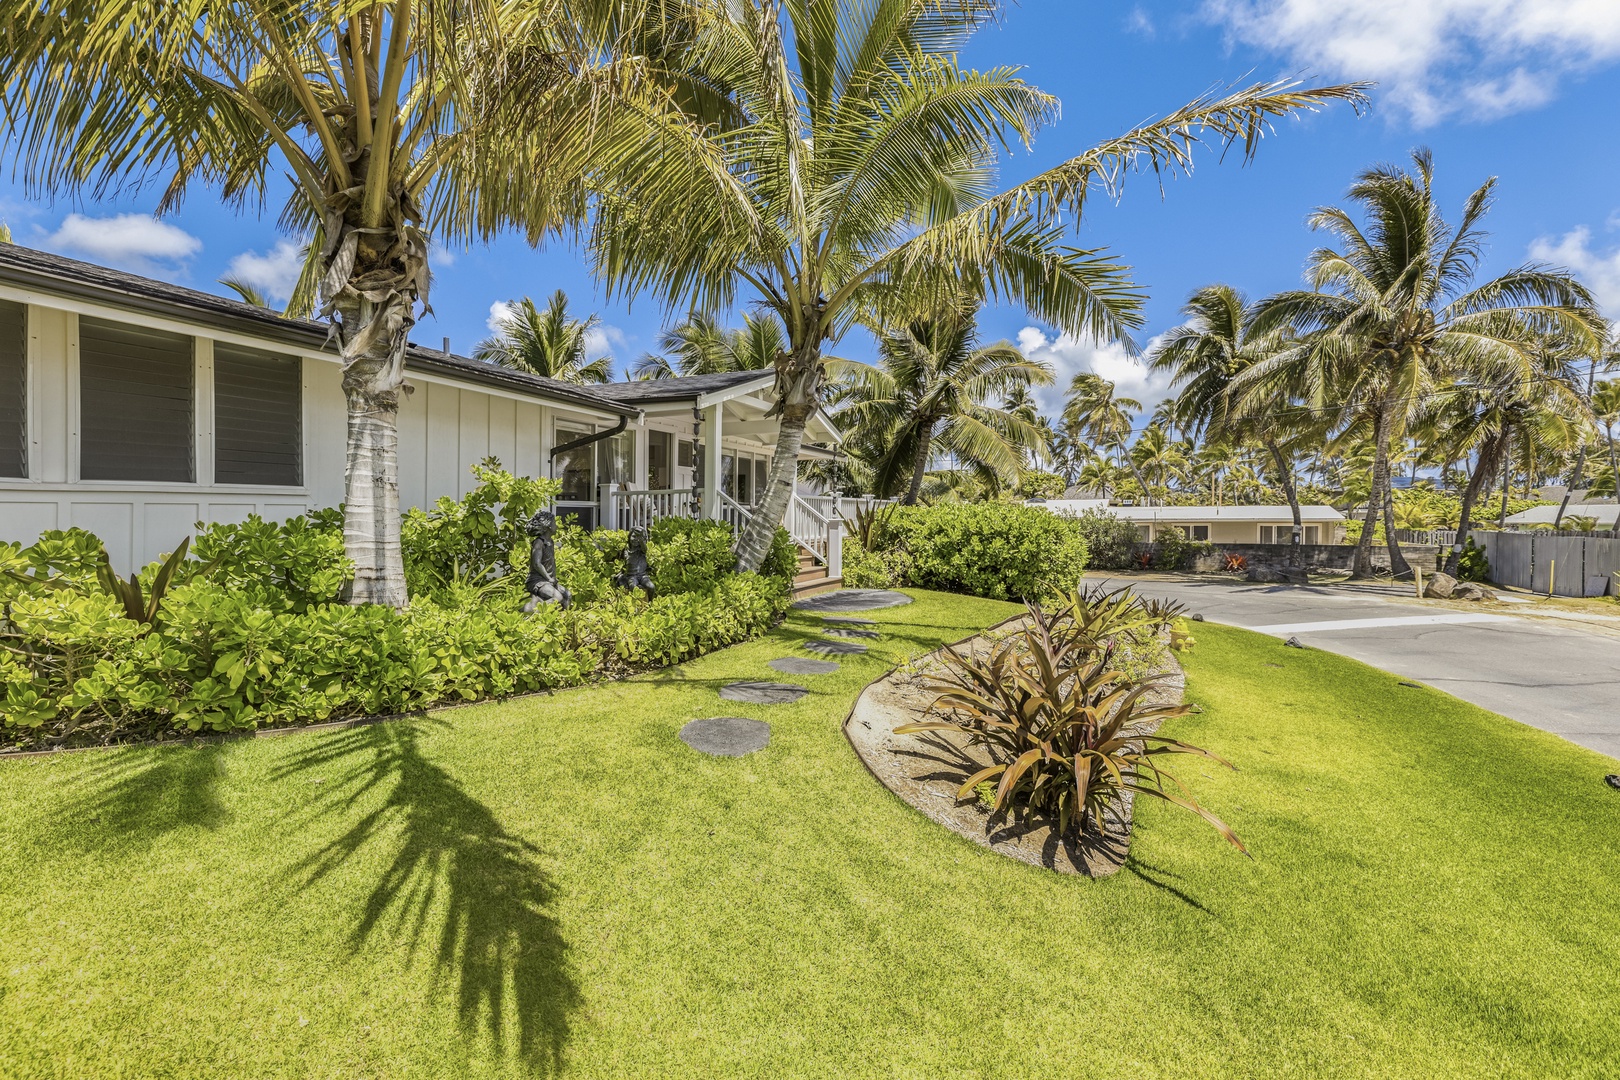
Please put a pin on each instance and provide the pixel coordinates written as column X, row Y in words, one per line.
column 1158, row 457
column 1105, row 419
column 1606, row 407
column 546, row 343
column 393, row 122
column 931, row 394
column 1068, row 448
column 861, row 184
column 246, row 291
column 699, row 345
column 1394, row 313
column 1209, row 354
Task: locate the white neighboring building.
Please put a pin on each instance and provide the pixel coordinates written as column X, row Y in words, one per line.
column 134, row 408
column 1219, row 524
column 1607, row 514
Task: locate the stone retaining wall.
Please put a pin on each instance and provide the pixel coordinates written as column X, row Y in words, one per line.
column 1426, row 557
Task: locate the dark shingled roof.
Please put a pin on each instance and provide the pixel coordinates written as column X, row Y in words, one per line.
column 683, row 388
column 47, row 273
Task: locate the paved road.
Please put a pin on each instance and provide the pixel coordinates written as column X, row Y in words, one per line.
column 1551, row 675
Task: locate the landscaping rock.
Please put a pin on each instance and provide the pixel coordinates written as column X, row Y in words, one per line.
column 849, row 631
column 1198, row 617
column 763, row 693
column 726, row 736
column 1471, row 590
column 1439, row 586
column 1294, row 643
column 1279, row 575
column 1613, row 780
column 852, row 600
column 835, row 648
column 799, row 665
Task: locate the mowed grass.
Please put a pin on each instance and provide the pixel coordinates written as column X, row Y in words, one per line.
column 558, row 885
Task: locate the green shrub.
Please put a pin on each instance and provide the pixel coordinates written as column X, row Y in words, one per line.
column 294, row 564
column 1040, row 485
column 1110, row 541
column 876, row 569
column 689, row 556
column 477, row 537
column 1173, row 551
column 996, row 550
column 1472, row 564
column 782, row 560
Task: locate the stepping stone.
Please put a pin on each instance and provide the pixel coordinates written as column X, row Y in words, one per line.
column 835, row 648
column 848, row 620
column 763, row 693
column 798, row 665
column 852, row 600
column 726, row 736
column 849, row 631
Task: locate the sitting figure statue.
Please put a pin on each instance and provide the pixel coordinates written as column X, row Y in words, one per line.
column 542, row 586
column 636, row 574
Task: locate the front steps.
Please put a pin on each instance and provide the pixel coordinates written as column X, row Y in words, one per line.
column 812, row 577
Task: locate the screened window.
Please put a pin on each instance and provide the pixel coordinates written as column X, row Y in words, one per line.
column 13, row 390
column 577, row 467
column 760, row 466
column 258, row 417
column 1198, row 532
column 745, row 480
column 660, row 471
column 617, row 462
column 135, row 395
column 686, row 454
column 728, row 474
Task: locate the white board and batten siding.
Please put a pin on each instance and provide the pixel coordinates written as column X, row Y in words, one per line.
column 445, row 427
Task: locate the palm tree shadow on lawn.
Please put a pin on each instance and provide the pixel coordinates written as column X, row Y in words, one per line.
column 497, row 940
column 132, row 797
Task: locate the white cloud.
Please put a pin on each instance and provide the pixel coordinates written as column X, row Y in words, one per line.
column 1139, row 22
column 602, row 339
column 1434, row 59
column 1599, row 271
column 132, row 240
column 1071, row 356
column 441, row 258
column 501, row 312
column 275, row 273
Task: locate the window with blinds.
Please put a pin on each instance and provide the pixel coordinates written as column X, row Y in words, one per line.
column 258, row 417
column 13, row 390
column 135, row 403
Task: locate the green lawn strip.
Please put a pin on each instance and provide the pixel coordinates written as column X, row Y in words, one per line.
column 559, row 882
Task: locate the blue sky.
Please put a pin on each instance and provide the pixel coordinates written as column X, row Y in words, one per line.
column 1524, row 90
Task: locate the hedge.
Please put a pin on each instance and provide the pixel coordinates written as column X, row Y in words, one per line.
column 1004, row 551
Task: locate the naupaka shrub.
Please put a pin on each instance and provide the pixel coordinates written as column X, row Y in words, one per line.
column 1004, row 551
column 250, row 632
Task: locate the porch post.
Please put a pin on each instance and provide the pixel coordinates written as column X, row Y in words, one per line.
column 608, row 514
column 711, row 463
column 835, row 546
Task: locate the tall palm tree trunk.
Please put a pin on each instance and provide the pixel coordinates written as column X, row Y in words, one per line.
column 1286, row 475
column 1490, row 454
column 1362, row 566
column 1507, row 481
column 1397, row 561
column 798, row 380
column 1614, row 467
column 919, row 463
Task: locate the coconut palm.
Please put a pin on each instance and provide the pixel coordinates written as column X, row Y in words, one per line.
column 1158, row 458
column 861, row 184
column 1208, row 355
column 699, row 345
column 1394, row 313
column 932, row 393
column 1104, row 418
column 546, row 342
column 392, row 122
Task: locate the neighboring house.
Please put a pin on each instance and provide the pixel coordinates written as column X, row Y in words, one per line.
column 1606, row 512
column 1219, row 524
column 134, row 408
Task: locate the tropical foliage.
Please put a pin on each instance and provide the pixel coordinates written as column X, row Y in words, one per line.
column 546, row 343
column 997, row 550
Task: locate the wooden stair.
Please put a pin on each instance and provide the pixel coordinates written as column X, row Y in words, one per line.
column 812, row 576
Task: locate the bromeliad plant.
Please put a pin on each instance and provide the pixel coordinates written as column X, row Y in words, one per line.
column 1067, row 732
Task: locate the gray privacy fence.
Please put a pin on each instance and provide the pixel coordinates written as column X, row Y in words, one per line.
column 1547, row 562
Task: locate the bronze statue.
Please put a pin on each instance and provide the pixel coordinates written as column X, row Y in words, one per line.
column 636, row 575
column 542, row 586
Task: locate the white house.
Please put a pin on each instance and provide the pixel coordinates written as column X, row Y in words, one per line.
column 134, row 408
column 1219, row 524
column 1607, row 514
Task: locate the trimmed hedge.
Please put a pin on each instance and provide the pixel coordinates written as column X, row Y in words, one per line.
column 251, row 635
column 1004, row 551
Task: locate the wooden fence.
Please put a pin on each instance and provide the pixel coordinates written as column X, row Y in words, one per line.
column 1554, row 563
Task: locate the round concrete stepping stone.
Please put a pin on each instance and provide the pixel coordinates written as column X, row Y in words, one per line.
column 848, row 620
column 799, row 665
column 849, row 631
column 726, row 736
column 763, row 693
column 853, row 600
column 835, row 648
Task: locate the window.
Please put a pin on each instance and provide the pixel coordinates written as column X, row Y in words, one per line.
column 728, row 474
column 761, row 470
column 616, row 462
column 577, row 467
column 745, row 480
column 13, row 390
column 687, row 453
column 258, row 417
column 660, row 469
column 1198, row 532
column 1313, row 534
column 135, row 396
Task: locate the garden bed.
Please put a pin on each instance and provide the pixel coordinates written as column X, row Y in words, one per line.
column 927, row 769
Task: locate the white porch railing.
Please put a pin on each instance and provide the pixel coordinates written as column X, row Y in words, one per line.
column 631, row 508
column 807, row 526
column 734, row 513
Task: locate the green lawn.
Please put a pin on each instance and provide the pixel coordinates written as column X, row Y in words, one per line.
column 559, row 884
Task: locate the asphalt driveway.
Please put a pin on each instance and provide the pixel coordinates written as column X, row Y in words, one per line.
column 1555, row 675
